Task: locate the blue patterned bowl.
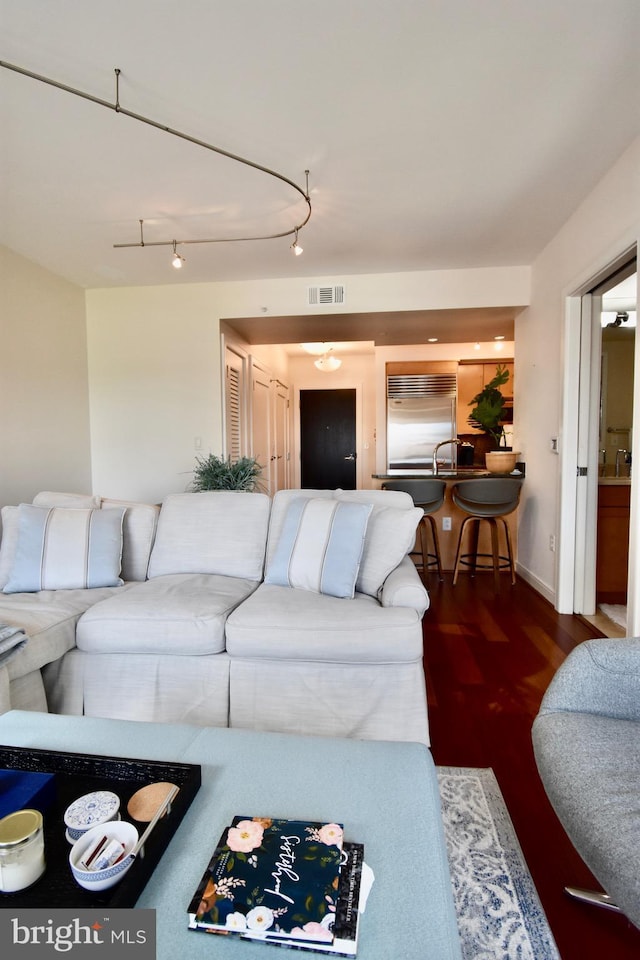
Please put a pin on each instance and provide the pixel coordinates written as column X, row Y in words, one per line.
column 120, row 830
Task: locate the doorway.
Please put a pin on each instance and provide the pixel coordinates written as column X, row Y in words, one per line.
column 603, row 565
column 328, row 439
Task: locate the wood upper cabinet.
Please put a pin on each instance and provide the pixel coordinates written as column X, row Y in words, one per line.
column 472, row 377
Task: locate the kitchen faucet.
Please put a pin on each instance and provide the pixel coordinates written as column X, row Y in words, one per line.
column 443, row 443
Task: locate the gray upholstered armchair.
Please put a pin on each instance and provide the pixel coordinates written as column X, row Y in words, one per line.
column 586, row 740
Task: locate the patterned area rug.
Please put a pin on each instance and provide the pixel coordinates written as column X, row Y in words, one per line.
column 499, row 913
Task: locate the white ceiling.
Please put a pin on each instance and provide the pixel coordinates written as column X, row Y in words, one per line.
column 437, row 135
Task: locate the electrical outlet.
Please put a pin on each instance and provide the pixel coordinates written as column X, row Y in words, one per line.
column 552, row 542
column 446, row 523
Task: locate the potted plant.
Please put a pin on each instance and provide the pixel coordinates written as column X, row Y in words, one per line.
column 218, row 473
column 486, row 415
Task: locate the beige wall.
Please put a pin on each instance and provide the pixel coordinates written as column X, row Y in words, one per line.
column 154, row 370
column 604, row 226
column 44, row 400
column 155, row 367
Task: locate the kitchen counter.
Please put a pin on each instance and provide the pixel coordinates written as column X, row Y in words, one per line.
column 614, row 481
column 465, row 473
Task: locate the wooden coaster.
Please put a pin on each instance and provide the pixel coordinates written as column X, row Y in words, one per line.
column 143, row 804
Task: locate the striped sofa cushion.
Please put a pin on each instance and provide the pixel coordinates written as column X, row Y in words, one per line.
column 320, row 546
column 65, row 549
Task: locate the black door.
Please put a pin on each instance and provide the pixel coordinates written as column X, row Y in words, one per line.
column 328, row 439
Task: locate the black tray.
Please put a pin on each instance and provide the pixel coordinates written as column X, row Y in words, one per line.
column 77, row 774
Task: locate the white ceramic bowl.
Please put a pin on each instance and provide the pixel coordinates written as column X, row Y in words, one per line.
column 120, row 830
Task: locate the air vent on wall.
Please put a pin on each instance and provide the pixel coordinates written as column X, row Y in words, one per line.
column 325, row 296
column 404, row 386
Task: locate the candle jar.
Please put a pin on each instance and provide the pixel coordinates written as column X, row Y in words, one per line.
column 21, row 850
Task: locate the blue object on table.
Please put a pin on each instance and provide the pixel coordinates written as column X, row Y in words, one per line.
column 21, row 790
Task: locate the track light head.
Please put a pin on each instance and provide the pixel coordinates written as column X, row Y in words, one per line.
column 295, row 246
column 177, row 259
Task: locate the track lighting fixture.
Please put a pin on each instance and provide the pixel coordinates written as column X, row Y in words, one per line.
column 177, row 259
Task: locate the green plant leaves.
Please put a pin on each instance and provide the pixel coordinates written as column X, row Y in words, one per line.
column 488, row 405
column 216, row 473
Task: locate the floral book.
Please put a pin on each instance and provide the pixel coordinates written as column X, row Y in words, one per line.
column 279, row 881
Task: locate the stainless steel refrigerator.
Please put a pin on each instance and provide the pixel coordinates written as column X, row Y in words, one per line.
column 421, row 412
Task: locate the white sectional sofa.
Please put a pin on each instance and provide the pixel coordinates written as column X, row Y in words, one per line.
column 203, row 628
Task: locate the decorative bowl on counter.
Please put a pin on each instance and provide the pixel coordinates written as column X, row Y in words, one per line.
column 501, row 461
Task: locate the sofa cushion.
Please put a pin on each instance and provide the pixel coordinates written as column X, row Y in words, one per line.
column 182, row 614
column 50, row 498
column 138, row 534
column 49, row 619
column 220, row 532
column 64, row 549
column 277, row 623
column 320, row 546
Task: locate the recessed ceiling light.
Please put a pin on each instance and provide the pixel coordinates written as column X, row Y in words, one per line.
column 498, row 338
column 432, row 340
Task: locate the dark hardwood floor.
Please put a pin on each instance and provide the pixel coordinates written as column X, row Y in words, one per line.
column 490, row 653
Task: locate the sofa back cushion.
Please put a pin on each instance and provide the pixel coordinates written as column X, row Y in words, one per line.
column 138, row 535
column 223, row 532
column 66, row 549
column 51, row 498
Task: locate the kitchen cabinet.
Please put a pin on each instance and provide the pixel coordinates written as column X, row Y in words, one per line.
column 472, row 376
column 612, row 552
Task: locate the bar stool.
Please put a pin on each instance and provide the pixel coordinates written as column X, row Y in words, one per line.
column 429, row 495
column 490, row 500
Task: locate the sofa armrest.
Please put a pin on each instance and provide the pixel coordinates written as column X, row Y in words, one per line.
column 404, row 588
column 600, row 677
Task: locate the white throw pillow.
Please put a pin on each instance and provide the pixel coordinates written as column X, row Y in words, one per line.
column 391, row 534
column 320, row 546
column 66, row 549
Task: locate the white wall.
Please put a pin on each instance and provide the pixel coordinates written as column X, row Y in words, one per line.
column 155, row 370
column 44, row 399
column 605, row 224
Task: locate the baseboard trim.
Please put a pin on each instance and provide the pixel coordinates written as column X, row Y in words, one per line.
column 542, row 588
